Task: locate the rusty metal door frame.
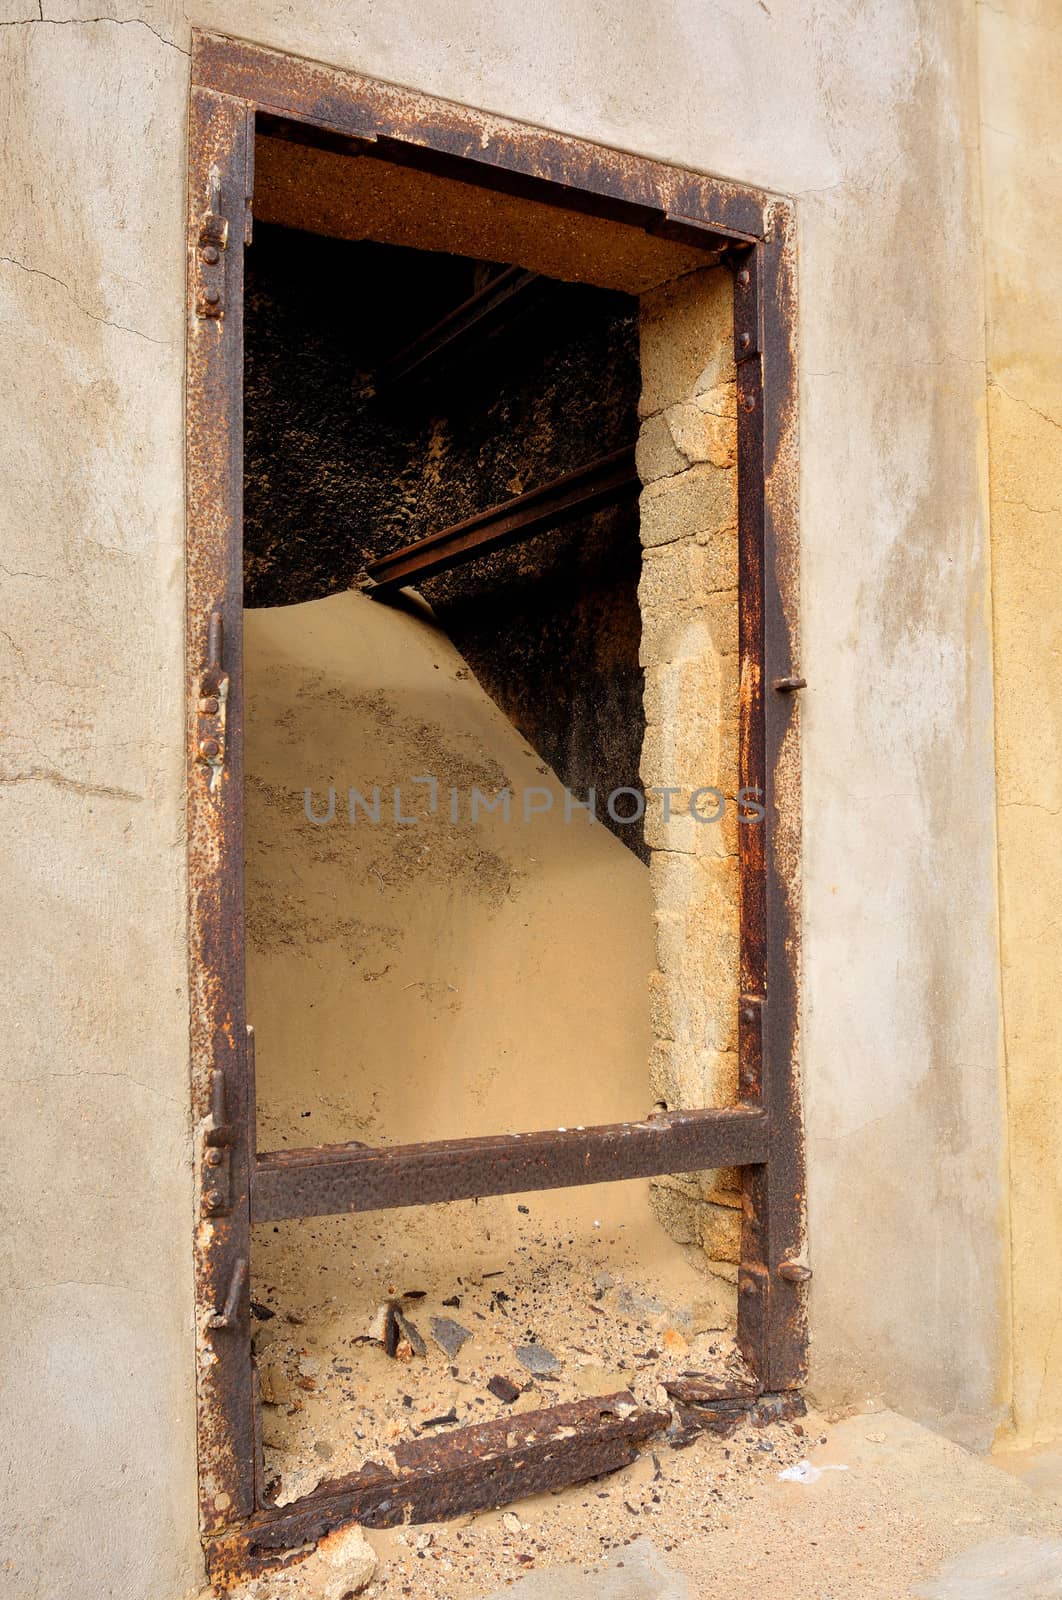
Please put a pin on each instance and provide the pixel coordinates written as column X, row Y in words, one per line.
column 236, row 87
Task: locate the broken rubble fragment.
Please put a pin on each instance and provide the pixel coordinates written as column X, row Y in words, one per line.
column 702, row 1388
column 441, row 1422
column 537, row 1359
column 349, row 1561
column 409, row 1334
column 297, row 1482
column 503, row 1389
column 275, row 1383
column 399, row 1336
column 805, row 1472
column 631, row 1303
column 449, row 1335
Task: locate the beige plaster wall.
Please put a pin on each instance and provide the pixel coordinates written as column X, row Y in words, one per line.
column 1021, row 145
column 96, row 1390
column 868, row 115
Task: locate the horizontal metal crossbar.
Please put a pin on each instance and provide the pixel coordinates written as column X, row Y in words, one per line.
column 328, row 1180
column 471, row 1469
column 590, row 488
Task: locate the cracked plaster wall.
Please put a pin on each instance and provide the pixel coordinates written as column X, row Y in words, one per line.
column 868, row 114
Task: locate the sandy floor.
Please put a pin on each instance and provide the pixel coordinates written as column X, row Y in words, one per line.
column 426, row 980
column 883, row 1510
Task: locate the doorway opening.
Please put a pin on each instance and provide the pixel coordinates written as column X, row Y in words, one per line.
column 499, row 746
column 445, row 936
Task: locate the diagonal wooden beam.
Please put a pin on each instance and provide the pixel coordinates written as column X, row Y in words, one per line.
column 602, row 483
column 482, row 314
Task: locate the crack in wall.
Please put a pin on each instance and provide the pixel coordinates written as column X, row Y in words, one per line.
column 61, row 780
column 39, row 272
column 86, row 22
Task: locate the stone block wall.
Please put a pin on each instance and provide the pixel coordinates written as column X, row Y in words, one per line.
column 687, row 451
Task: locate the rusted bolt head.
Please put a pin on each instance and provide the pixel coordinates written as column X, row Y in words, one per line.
column 213, row 1158
column 794, row 1271
column 748, row 402
column 209, row 706
column 210, row 253
column 211, row 296
column 744, row 340
column 743, row 277
column 209, row 749
column 212, row 1199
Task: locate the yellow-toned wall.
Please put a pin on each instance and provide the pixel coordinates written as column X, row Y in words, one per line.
column 1020, row 50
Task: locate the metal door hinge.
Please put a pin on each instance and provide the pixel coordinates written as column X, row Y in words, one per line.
column 748, row 309
column 213, row 702
column 219, row 1136
column 210, row 249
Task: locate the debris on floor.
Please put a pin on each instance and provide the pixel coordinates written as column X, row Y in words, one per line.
column 804, row 1472
column 365, row 1350
column 913, row 1516
column 606, row 1532
column 342, row 1567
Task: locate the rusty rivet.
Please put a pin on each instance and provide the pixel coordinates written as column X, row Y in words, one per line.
column 794, row 1271
column 748, row 402
column 744, row 340
column 212, row 1199
column 209, row 706
column 743, row 277
column 210, row 254
column 209, row 749
column 211, row 296
column 213, row 1158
